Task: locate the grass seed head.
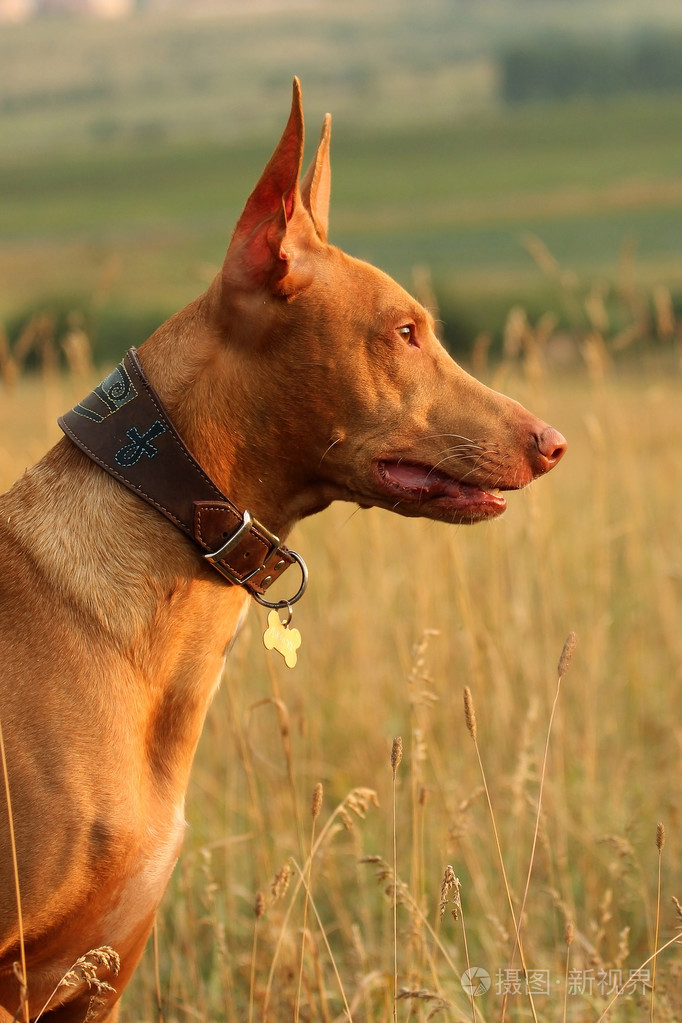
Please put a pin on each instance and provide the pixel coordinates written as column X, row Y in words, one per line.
column 281, row 881
column 678, row 909
column 396, row 753
column 660, row 835
column 566, row 654
column 259, row 905
column 449, row 888
column 623, row 951
column 469, row 712
column 360, row 800
column 84, row 971
column 317, row 800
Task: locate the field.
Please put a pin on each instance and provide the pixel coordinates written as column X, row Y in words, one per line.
column 401, row 616
column 548, row 238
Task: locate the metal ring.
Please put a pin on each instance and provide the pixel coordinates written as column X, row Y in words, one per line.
column 290, row 615
column 279, row 604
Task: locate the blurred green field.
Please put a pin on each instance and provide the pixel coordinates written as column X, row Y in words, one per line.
column 128, row 149
column 399, row 617
column 144, row 230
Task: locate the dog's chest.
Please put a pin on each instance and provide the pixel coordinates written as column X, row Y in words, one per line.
column 138, row 897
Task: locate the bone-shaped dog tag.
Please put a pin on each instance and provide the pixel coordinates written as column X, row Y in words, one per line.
column 278, row 636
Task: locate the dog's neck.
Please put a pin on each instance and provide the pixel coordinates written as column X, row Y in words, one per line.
column 224, row 396
column 135, row 565
column 124, row 427
column 207, row 389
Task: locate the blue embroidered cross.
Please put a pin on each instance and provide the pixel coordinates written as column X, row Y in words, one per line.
column 141, row 444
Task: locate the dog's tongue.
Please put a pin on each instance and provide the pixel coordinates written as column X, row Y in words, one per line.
column 413, row 483
column 421, row 477
column 413, row 476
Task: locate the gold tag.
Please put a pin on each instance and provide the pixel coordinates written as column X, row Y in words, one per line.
column 278, row 636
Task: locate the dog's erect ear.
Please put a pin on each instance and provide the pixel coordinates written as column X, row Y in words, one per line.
column 259, row 251
column 316, row 185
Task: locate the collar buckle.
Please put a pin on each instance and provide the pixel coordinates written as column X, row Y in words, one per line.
column 216, row 557
column 248, row 523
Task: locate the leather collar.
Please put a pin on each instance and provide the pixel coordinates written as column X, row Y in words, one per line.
column 123, row 426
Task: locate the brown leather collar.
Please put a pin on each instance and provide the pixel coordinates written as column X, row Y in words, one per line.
column 123, row 426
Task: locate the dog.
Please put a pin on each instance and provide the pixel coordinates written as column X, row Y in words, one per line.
column 131, row 551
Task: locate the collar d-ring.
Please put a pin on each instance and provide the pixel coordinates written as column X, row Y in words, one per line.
column 277, row 605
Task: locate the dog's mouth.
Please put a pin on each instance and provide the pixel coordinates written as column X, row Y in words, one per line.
column 412, row 486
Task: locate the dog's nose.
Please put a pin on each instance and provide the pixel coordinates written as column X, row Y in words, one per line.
column 551, row 446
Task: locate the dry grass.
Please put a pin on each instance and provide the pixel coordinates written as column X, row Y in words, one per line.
column 401, row 615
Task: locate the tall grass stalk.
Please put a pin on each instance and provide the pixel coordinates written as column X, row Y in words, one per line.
column 285, row 736
column 357, row 801
column 451, row 890
column 676, row 939
column 470, row 718
column 157, row 973
column 315, row 812
column 568, row 939
column 396, row 757
column 564, row 662
column 325, row 939
column 23, row 980
column 258, row 910
column 660, row 842
column 467, row 959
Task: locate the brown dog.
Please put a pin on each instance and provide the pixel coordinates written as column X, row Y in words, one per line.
column 302, row 376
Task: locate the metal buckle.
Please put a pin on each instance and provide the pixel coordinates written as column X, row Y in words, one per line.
column 247, row 524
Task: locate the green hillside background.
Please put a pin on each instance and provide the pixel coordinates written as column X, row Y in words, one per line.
column 460, row 131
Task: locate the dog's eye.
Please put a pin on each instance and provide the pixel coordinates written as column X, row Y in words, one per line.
column 409, row 334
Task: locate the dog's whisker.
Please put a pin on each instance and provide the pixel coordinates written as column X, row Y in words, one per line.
column 464, row 447
column 455, row 454
column 328, row 449
column 450, row 436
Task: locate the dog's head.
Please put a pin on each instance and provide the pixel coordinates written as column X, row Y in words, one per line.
column 335, row 385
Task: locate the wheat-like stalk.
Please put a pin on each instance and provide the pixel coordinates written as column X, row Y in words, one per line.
column 285, row 737
column 568, row 939
column 347, row 1011
column 660, row 842
column 258, row 911
column 567, row 652
column 396, row 757
column 470, row 718
column 357, row 802
column 23, row 979
column 85, row 972
column 451, row 893
column 315, row 808
column 677, row 938
column 157, row 972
